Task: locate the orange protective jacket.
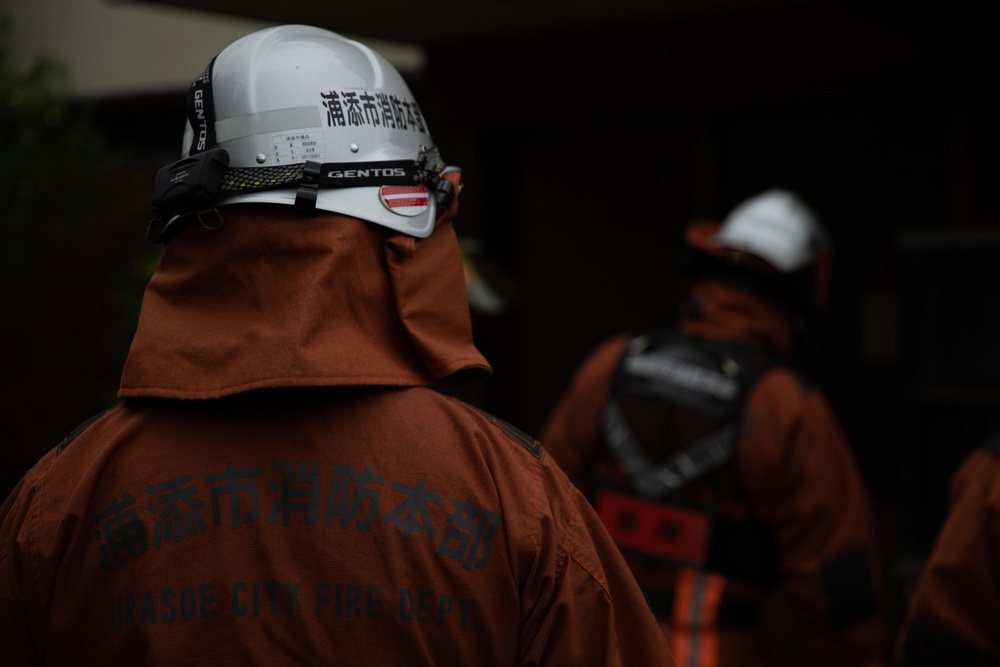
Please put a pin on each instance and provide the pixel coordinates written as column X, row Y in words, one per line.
column 953, row 617
column 794, row 472
column 283, row 485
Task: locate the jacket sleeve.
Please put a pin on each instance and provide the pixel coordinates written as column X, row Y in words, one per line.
column 572, row 432
column 954, row 614
column 22, row 616
column 583, row 606
column 800, row 473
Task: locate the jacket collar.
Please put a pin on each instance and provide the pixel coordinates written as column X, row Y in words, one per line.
column 278, row 299
column 714, row 309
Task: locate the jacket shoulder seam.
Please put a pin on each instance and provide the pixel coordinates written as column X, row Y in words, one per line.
column 532, row 445
column 80, row 428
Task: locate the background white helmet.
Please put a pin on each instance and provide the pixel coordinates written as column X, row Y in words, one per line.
column 777, row 227
column 282, row 96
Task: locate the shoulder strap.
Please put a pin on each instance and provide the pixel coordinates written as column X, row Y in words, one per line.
column 706, row 376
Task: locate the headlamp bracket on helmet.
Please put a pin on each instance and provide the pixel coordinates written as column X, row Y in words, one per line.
column 187, row 186
column 426, row 169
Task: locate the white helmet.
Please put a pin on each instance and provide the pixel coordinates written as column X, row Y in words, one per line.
column 307, row 117
column 777, row 227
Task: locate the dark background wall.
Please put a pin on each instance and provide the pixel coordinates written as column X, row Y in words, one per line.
column 587, row 150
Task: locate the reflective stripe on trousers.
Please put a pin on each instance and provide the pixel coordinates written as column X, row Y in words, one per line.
column 694, row 637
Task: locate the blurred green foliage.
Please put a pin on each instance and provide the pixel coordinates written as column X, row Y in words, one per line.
column 73, row 259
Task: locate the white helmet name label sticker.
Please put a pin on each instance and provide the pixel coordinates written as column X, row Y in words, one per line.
column 297, row 146
column 408, row 200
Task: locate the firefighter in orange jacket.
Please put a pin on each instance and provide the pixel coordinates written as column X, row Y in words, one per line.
column 282, row 482
column 722, row 474
column 953, row 617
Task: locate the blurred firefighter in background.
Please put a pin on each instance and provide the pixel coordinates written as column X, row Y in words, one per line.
column 953, row 617
column 722, row 473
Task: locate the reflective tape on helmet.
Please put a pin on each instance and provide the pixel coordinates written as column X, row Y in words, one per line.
column 408, row 200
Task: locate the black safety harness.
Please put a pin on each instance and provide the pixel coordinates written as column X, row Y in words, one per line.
column 649, row 513
column 654, row 514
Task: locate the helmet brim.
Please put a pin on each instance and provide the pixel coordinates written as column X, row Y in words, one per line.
column 365, row 203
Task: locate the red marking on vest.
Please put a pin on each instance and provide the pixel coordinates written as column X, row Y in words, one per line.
column 660, row 530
